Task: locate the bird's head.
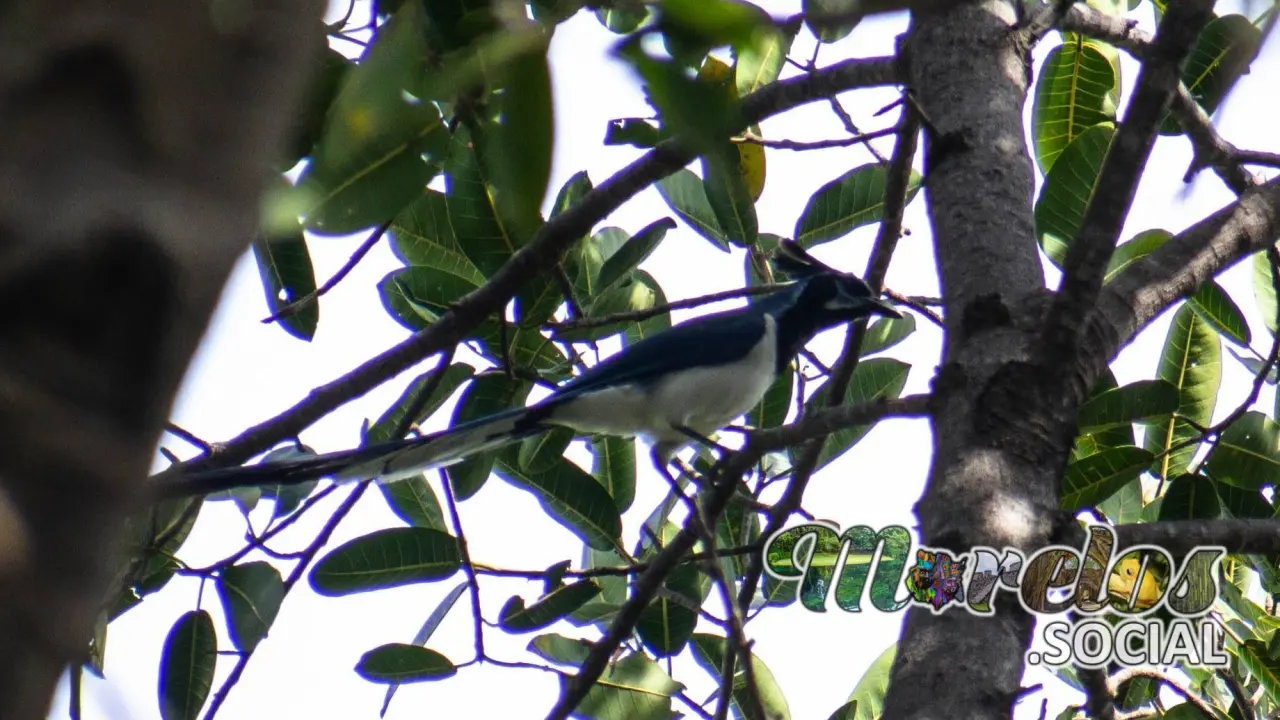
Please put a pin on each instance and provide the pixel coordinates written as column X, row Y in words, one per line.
column 837, row 298
column 825, row 295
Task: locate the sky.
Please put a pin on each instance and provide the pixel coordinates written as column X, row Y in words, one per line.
column 246, row 372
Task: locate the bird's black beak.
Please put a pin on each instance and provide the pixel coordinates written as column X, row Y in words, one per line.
column 876, row 306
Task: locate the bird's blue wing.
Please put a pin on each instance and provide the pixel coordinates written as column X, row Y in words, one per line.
column 704, row 342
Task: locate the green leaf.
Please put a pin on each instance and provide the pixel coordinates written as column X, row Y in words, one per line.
column 666, row 624
column 1242, row 503
column 524, row 139
column 1126, row 405
column 1262, row 665
column 570, row 496
column 422, row 235
column 251, row 594
column 560, row 649
column 401, row 663
column 452, row 378
column 654, row 325
column 1068, row 188
column 1190, row 497
column 634, row 293
column 550, row 609
column 186, row 667
column 413, row 501
column 634, row 688
column 490, row 393
column 872, row 379
column 418, row 296
column 1141, row 245
column 776, row 403
column 684, row 192
column 426, row 631
column 169, row 521
column 728, row 195
column 870, row 691
column 701, row 110
column 1223, row 52
column 587, row 260
column 761, row 60
column 1264, row 292
column 847, row 711
column 381, row 139
column 1192, row 362
column 1073, row 93
column 384, row 559
column 284, row 264
column 713, row 22
column 1125, row 506
column 884, row 333
column 486, row 239
column 622, row 17
column 1215, row 307
column 634, row 251
column 708, row 652
column 852, row 200
column 573, row 190
column 541, row 451
column 1091, row 480
column 825, row 31
column 1248, row 453
column 614, row 467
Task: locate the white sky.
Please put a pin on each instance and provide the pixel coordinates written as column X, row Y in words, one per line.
column 246, row 372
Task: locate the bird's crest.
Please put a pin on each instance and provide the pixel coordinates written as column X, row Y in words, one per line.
column 797, row 263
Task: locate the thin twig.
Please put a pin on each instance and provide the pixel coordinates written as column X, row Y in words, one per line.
column 917, row 304
column 177, row 431
column 301, row 303
column 1127, row 674
column 656, row 310
column 801, row 145
column 623, row 571
column 473, row 585
column 308, row 555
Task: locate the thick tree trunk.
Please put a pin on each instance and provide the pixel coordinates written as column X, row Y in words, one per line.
column 135, row 140
column 998, row 454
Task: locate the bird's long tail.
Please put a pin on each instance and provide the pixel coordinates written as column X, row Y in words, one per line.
column 387, row 462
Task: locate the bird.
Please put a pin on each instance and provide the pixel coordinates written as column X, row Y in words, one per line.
column 671, row 389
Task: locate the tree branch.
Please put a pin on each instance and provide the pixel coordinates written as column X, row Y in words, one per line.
column 540, row 255
column 1247, row 537
column 1144, row 289
column 1115, row 681
column 1090, row 251
column 311, row 297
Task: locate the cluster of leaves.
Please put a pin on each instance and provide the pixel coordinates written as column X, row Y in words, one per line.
column 453, row 90
column 448, row 89
column 1195, row 476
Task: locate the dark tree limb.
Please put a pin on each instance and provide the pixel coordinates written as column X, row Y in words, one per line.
column 135, row 141
column 1090, row 251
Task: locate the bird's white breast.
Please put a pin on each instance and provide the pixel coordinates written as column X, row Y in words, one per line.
column 704, row 399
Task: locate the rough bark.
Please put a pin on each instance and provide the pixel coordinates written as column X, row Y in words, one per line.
column 993, row 480
column 135, row 139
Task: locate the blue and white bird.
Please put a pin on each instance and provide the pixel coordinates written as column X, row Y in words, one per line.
column 671, row 389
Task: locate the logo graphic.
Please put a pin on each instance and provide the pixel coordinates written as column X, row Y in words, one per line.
column 1097, row 605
